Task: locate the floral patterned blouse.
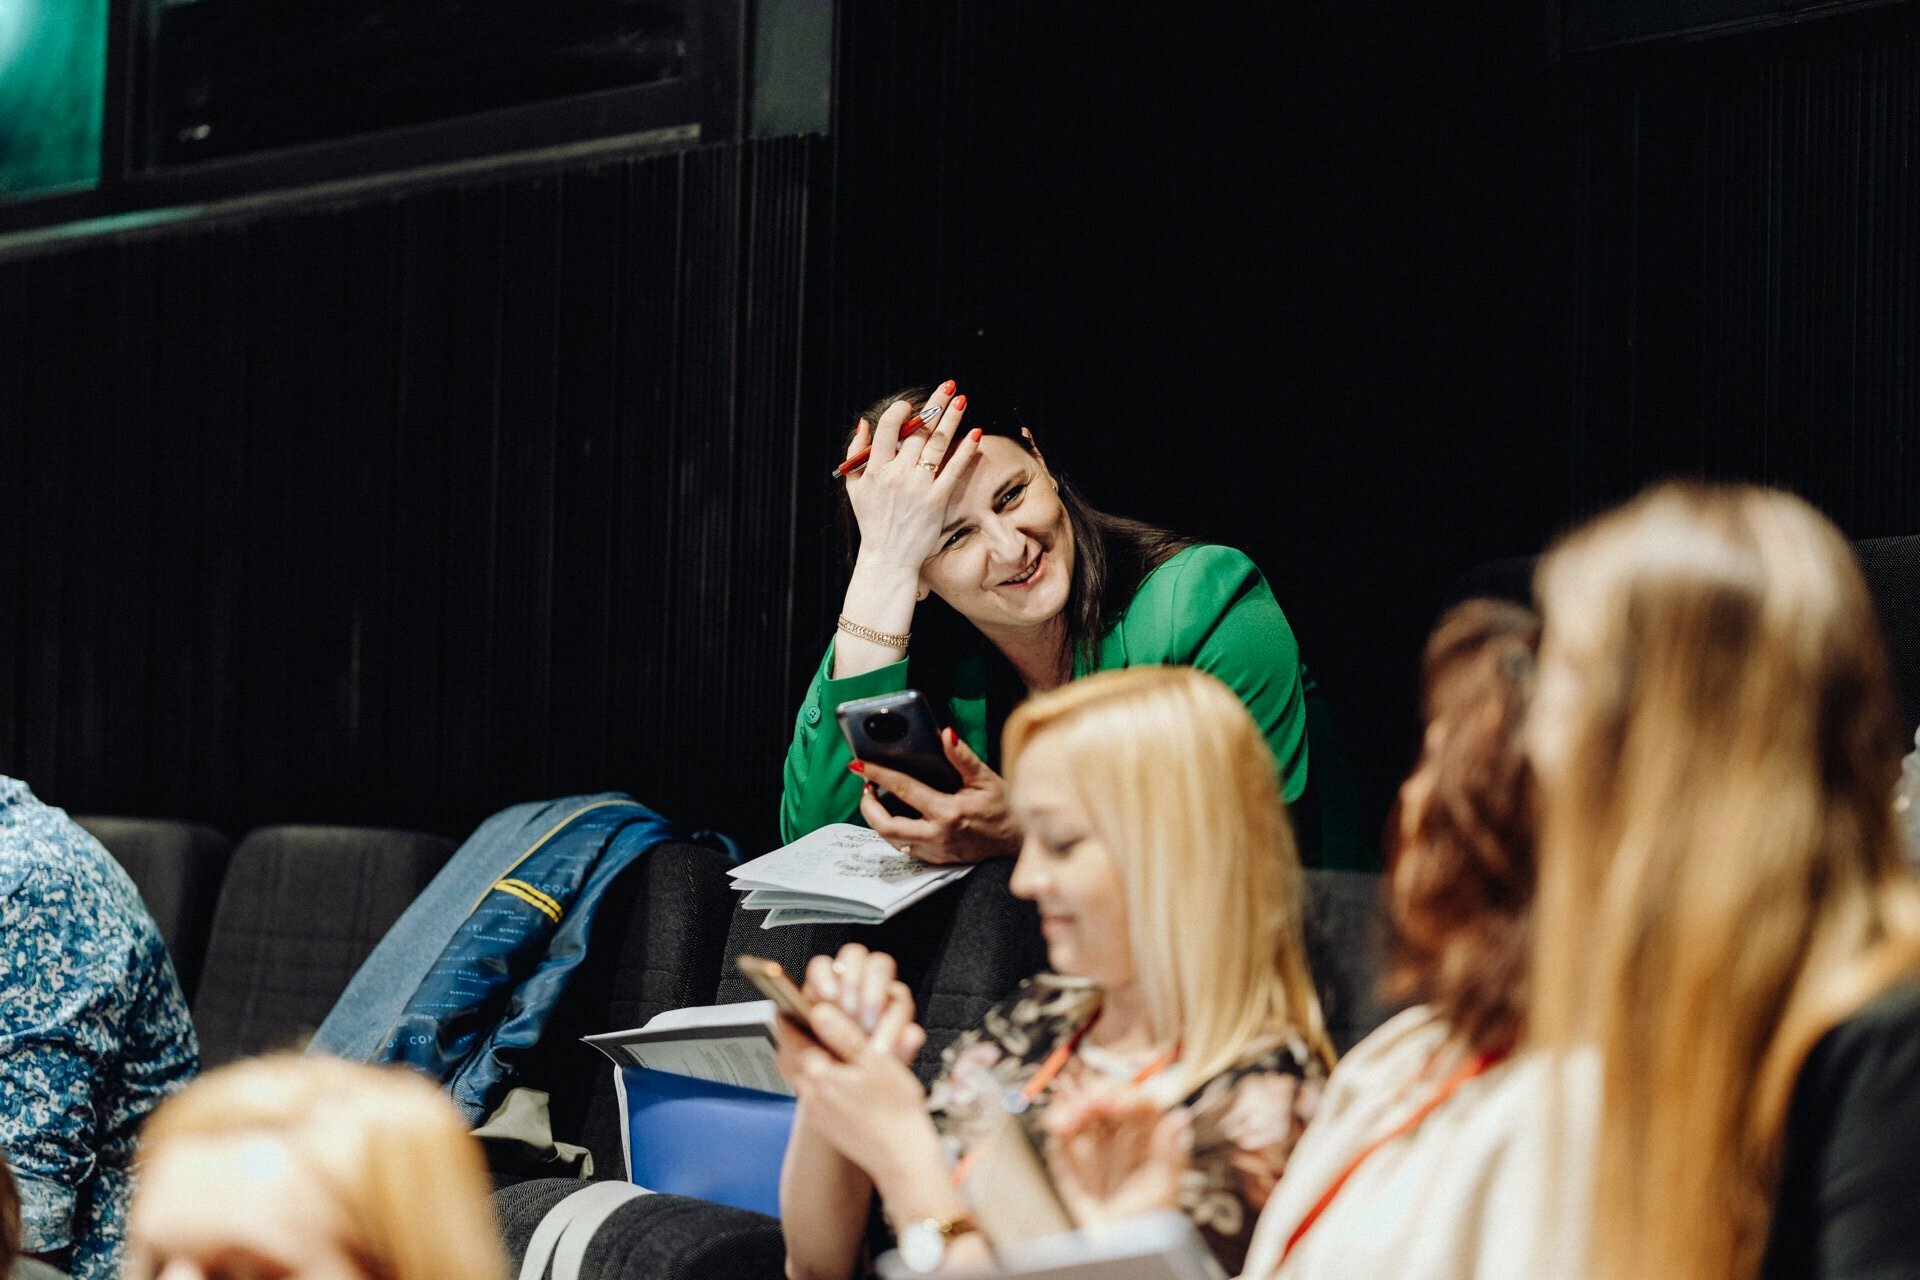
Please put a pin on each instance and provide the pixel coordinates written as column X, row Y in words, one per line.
column 93, row 1030
column 1245, row 1120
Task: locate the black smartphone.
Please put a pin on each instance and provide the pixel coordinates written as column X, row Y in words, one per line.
column 898, row 730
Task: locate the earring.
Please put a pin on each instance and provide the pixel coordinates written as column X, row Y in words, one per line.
column 922, row 594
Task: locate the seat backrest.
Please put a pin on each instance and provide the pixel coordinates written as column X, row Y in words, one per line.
column 1346, row 947
column 962, row 950
column 301, row 908
column 178, row 867
column 1892, row 569
column 656, row 945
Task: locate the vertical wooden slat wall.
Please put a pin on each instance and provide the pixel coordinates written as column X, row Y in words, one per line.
column 402, row 510
column 1747, row 268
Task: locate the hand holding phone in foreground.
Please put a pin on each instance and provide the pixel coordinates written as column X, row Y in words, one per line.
column 856, row 1086
column 861, row 986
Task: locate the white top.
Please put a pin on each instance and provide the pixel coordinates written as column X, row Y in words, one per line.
column 1493, row 1183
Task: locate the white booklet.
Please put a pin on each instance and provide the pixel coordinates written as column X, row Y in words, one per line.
column 724, row 1043
column 840, row 874
column 1156, row 1246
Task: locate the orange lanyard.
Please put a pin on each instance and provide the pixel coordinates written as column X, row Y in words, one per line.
column 1063, row 1053
column 1056, row 1063
column 1477, row 1066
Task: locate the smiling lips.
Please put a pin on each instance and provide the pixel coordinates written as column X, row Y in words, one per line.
column 1027, row 574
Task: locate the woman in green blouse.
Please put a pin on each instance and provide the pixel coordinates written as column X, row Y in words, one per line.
column 980, row 578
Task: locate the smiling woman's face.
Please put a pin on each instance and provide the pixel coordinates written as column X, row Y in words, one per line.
column 1005, row 560
column 1069, row 872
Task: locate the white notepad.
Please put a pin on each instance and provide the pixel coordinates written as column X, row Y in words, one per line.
column 840, row 874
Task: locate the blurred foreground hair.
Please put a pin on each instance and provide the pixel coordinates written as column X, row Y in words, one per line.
column 408, row 1179
column 1460, row 875
column 1719, row 877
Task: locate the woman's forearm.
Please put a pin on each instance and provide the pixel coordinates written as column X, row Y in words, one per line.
column 824, row 1202
column 880, row 596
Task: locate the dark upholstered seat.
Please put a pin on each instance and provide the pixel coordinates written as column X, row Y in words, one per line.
column 656, row 946
column 1892, row 568
column 961, row 951
column 301, row 908
column 653, row 1237
column 177, row 867
column 1346, row 946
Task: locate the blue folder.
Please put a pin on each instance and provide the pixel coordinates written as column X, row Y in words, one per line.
column 692, row 1137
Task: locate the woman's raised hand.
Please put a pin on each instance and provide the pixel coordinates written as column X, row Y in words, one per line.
column 900, row 497
column 970, row 825
column 899, row 500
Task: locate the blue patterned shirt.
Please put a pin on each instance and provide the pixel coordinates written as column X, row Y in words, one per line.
column 93, row 1030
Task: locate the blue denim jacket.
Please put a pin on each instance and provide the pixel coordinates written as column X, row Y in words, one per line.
column 464, row 983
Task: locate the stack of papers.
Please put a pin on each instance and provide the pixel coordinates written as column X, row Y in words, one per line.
column 840, row 874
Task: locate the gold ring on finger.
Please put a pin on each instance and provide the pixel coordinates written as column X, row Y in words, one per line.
column 904, row 847
column 929, row 467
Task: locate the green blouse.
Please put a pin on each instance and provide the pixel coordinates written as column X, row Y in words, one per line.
column 1206, row 607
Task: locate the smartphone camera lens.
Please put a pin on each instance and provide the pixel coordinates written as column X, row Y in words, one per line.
column 886, row 726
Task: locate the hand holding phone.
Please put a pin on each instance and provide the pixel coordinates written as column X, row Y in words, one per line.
column 773, row 983
column 899, row 731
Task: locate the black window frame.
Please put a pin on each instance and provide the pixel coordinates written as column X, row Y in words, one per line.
column 707, row 105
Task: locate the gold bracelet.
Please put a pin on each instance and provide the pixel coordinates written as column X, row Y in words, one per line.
column 887, row 638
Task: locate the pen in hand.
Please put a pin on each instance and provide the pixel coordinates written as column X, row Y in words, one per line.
column 909, row 427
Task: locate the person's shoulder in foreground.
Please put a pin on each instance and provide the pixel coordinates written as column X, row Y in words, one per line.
column 1845, row 1206
column 94, row 1030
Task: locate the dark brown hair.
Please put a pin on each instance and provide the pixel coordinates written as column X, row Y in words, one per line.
column 1112, row 556
column 1461, row 872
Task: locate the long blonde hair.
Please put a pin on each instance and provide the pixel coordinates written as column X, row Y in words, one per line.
column 409, row 1181
column 1179, row 784
column 1719, row 876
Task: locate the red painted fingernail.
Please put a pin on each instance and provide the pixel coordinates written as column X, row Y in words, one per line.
column 948, row 734
column 857, row 766
column 959, row 404
column 974, row 435
column 946, row 388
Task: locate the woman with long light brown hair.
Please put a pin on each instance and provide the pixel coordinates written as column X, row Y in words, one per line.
column 1722, row 917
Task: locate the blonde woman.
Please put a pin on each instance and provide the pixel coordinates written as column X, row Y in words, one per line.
column 1722, row 915
column 311, row 1169
column 1158, row 853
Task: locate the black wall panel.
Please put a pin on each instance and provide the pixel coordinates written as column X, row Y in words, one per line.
column 402, row 510
column 1746, row 217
